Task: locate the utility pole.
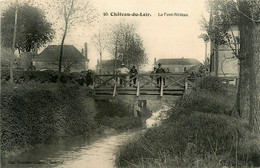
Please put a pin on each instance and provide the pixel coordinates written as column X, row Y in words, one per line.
column 115, row 59
column 206, row 40
column 13, row 46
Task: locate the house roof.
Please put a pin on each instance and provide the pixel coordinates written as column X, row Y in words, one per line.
column 195, row 68
column 178, row 61
column 52, row 52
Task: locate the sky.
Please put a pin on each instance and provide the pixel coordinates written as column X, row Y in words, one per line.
column 163, row 36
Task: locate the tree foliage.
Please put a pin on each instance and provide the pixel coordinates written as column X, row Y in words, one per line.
column 127, row 45
column 245, row 14
column 224, row 14
column 73, row 12
column 100, row 41
column 32, row 28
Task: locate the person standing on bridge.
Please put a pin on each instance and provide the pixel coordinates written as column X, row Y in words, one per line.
column 133, row 72
column 123, row 71
column 160, row 70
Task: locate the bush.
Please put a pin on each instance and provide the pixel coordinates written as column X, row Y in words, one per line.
column 205, row 101
column 49, row 76
column 189, row 137
column 117, row 114
column 198, row 133
column 210, row 83
column 209, row 95
column 32, row 115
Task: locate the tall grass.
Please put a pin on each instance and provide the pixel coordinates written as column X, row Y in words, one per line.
column 200, row 132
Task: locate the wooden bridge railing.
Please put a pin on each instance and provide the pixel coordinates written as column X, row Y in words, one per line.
column 145, row 83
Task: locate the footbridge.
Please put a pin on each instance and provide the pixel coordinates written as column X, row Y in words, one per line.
column 146, row 86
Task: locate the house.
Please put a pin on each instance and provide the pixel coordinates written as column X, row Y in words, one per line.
column 72, row 61
column 178, row 64
column 5, row 55
column 223, row 62
column 26, row 60
column 108, row 66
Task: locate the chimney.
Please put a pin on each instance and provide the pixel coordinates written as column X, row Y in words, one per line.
column 82, row 51
column 86, row 50
column 154, row 64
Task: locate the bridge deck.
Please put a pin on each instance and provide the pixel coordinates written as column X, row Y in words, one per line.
column 108, row 86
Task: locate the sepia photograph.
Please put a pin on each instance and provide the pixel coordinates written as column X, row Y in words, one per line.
column 130, row 84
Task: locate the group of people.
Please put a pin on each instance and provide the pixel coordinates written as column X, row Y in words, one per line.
column 124, row 71
column 159, row 70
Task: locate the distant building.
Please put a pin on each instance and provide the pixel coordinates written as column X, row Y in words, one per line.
column 178, row 64
column 72, row 60
column 26, row 60
column 5, row 55
column 108, row 66
column 225, row 64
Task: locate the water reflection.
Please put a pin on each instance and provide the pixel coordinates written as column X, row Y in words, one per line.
column 74, row 153
column 157, row 117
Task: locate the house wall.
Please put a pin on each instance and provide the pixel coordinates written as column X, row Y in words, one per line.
column 40, row 65
column 81, row 66
column 177, row 68
column 108, row 69
column 25, row 60
column 228, row 64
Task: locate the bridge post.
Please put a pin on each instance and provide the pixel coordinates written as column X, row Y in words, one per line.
column 114, row 92
column 138, row 88
column 185, row 85
column 136, row 107
column 161, row 92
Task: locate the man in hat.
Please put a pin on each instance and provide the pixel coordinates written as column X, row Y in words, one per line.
column 160, row 70
column 133, row 72
column 123, row 71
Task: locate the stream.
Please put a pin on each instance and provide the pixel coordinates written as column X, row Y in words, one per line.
column 77, row 152
column 73, row 153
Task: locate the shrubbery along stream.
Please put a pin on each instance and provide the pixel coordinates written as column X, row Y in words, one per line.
column 36, row 113
column 200, row 131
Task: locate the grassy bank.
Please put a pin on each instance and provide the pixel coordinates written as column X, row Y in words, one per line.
column 35, row 113
column 201, row 131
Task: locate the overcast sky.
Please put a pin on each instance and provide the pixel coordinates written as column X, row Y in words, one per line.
column 163, row 36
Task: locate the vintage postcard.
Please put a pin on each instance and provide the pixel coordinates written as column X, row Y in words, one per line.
column 130, row 83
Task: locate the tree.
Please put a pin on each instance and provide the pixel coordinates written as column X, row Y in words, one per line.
column 249, row 50
column 224, row 14
column 100, row 41
column 73, row 12
column 127, row 45
column 32, row 28
column 246, row 14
